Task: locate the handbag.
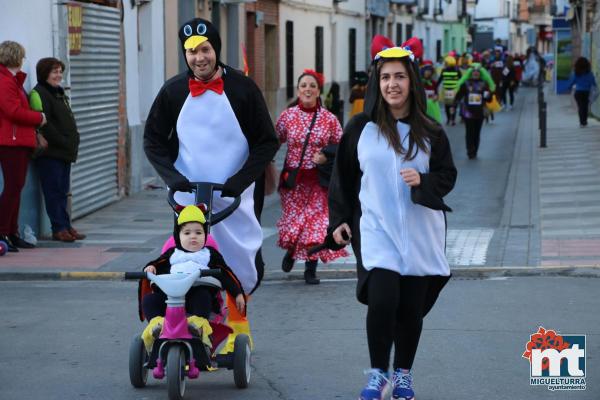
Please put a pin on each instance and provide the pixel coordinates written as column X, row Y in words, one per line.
column 493, row 105
column 288, row 176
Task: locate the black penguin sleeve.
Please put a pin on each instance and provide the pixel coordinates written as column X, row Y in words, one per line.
column 440, row 179
column 345, row 177
column 160, row 138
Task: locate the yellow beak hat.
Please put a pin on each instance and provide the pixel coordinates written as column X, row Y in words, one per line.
column 395, row 52
column 197, row 31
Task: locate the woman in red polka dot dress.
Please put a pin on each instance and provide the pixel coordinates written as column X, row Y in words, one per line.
column 304, row 220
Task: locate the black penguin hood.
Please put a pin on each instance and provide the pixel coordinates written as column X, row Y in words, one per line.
column 197, row 31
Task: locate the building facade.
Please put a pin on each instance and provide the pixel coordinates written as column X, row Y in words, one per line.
column 88, row 39
column 326, row 36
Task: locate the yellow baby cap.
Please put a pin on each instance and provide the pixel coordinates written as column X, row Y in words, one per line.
column 191, row 214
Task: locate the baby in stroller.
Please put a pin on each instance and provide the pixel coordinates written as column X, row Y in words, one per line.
column 188, row 255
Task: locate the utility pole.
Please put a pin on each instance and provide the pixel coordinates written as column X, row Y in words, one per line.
column 583, row 28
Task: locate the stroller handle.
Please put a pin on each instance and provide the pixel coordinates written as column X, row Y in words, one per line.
column 215, row 273
column 204, row 193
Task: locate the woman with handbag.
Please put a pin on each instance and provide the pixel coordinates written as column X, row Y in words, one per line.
column 307, row 128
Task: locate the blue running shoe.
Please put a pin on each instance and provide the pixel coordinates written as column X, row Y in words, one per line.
column 402, row 385
column 378, row 386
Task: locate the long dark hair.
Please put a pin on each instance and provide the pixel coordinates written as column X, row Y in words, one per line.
column 582, row 66
column 422, row 128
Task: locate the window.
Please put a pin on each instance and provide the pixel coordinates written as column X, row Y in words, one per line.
column 399, row 40
column 319, row 49
column 289, row 58
column 351, row 53
column 409, row 33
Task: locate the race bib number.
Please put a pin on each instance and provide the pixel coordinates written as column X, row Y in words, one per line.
column 505, row 71
column 449, row 94
column 474, row 99
column 430, row 93
column 498, row 64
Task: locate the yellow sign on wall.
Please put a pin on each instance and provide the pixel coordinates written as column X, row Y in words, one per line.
column 75, row 21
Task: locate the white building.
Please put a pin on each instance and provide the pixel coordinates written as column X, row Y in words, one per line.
column 322, row 35
column 109, row 97
column 441, row 25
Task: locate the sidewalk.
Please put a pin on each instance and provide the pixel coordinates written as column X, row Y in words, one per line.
column 569, row 185
column 556, row 188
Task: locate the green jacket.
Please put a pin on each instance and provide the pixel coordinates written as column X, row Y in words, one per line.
column 61, row 129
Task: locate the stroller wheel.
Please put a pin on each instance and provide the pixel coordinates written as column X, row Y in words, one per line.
column 176, row 372
column 241, row 361
column 138, row 374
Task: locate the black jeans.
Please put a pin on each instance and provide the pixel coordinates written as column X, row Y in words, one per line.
column 55, row 177
column 511, row 93
column 473, row 132
column 582, row 97
column 395, row 315
column 198, row 301
column 451, row 112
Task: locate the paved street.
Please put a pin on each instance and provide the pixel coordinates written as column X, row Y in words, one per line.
column 70, row 340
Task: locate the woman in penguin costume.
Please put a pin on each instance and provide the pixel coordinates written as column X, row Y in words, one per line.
column 211, row 124
column 393, row 168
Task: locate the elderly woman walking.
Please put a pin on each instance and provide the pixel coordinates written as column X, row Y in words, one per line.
column 311, row 133
column 17, row 140
column 54, row 164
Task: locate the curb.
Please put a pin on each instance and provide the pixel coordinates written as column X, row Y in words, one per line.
column 583, row 271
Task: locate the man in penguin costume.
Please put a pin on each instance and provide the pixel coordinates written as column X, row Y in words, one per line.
column 211, row 124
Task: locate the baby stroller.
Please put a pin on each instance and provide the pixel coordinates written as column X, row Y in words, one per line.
column 176, row 353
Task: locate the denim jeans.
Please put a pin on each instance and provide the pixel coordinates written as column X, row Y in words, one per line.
column 55, row 177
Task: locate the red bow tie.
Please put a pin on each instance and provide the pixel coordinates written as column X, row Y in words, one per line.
column 197, row 87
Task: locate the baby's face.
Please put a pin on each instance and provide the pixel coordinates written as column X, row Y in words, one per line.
column 192, row 236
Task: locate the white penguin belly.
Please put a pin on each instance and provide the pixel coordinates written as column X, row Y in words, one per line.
column 212, row 148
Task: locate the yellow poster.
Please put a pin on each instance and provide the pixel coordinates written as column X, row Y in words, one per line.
column 75, row 21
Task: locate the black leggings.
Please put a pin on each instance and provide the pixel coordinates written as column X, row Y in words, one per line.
column 473, row 133
column 395, row 315
column 582, row 97
column 198, row 301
